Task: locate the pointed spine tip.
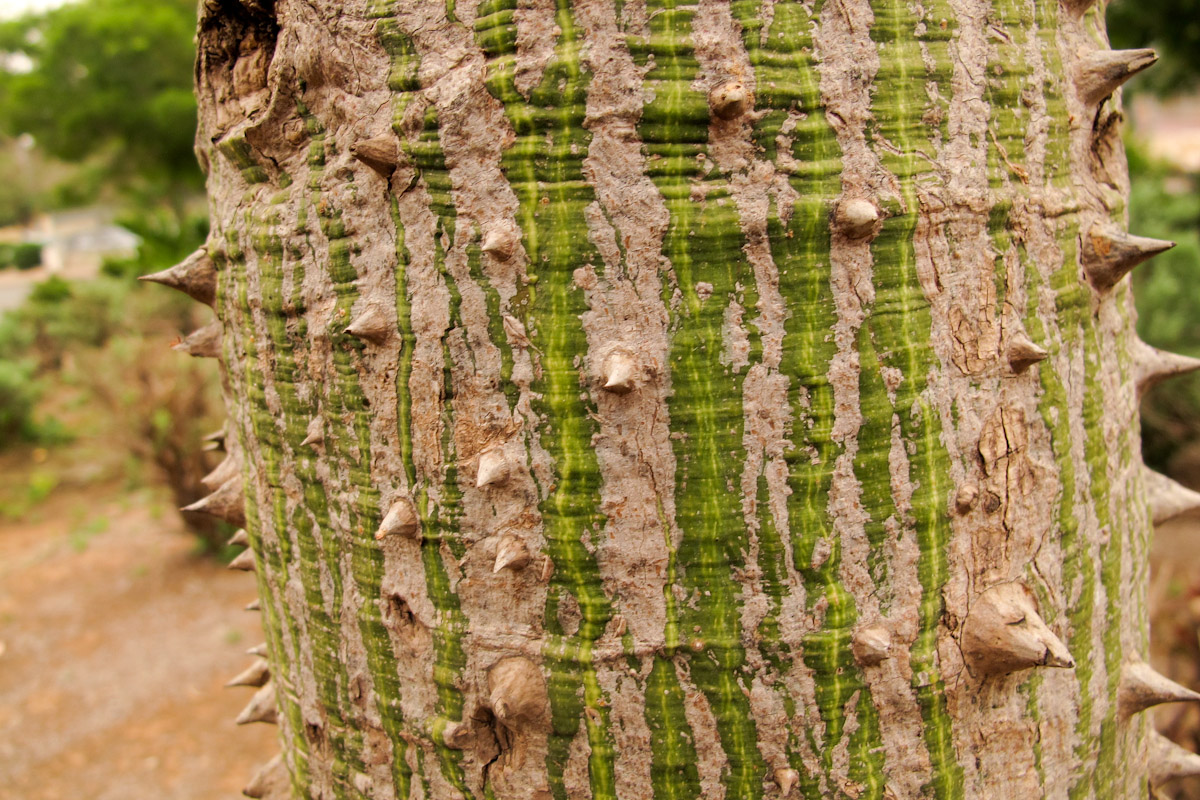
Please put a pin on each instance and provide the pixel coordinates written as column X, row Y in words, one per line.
column 226, row 503
column 244, row 561
column 786, row 779
column 372, row 325
column 1022, row 353
column 271, row 778
column 1109, row 254
column 620, row 372
column 239, row 539
column 499, row 243
column 400, row 520
column 202, row 343
column 195, row 276
column 729, row 100
column 253, row 605
column 255, row 675
column 1167, row 498
column 261, row 707
column 1102, row 72
column 314, row 434
column 1004, row 633
column 856, row 217
column 511, row 553
column 494, row 468
column 1168, row 760
column 380, row 153
column 1142, row 687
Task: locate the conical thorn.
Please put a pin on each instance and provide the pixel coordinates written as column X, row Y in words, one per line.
column 371, row 325
column 214, row 440
column 253, row 605
column 315, row 434
column 1168, row 499
column 511, row 553
column 871, row 645
column 202, row 343
column 261, row 707
column 786, row 779
column 1022, row 353
column 259, row 650
column 1168, row 760
column 228, row 468
column 380, row 153
column 856, row 217
column 243, row 562
column 1109, row 254
column 257, row 674
column 499, row 243
column 1143, row 687
column 729, row 100
column 400, row 520
column 517, row 691
column 239, row 539
column 1102, row 72
column 225, row 503
column 1152, row 366
column 195, row 276
column 620, row 372
column 270, row 781
column 1004, row 633
column 493, row 468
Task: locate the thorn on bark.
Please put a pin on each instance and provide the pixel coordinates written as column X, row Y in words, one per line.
column 214, row 441
column 511, row 553
column 1004, row 633
column 965, row 497
column 228, row 468
column 257, row 674
column 259, row 650
column 372, row 325
column 1167, row 498
column 517, row 691
column 1109, row 254
column 1152, row 366
column 380, row 153
column 456, row 735
column 619, row 372
column 315, row 433
column 202, row 343
column 1168, row 760
column 400, row 519
column 786, row 779
column 261, row 707
column 1143, row 687
column 871, row 645
column 856, row 218
column 493, row 468
column 1102, row 72
column 239, row 539
column 1023, row 353
column 499, row 243
column 271, row 778
column 225, row 503
column 729, row 100
column 195, row 276
column 243, row 562
column 253, row 605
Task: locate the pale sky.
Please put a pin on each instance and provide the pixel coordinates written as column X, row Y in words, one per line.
column 15, row 8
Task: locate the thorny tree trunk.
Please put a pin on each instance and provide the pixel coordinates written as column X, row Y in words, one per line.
column 725, row 400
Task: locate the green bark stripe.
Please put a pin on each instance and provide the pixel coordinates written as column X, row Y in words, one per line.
column 703, row 244
column 545, row 169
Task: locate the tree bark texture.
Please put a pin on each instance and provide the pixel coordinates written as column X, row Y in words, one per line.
column 652, row 399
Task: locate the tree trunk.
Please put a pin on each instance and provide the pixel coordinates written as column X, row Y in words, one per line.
column 717, row 400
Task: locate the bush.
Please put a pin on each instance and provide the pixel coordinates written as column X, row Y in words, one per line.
column 25, row 255
column 18, row 399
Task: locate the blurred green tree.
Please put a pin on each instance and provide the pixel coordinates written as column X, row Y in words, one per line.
column 1170, row 26
column 111, row 80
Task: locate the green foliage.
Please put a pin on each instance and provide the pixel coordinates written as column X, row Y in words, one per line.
column 1170, row 26
column 167, row 238
column 18, row 399
column 106, row 78
column 1165, row 204
column 26, row 255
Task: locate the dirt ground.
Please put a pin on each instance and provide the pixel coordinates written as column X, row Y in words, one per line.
column 115, row 642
